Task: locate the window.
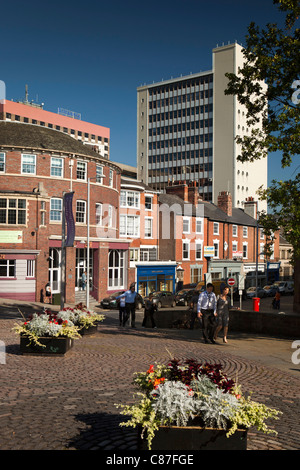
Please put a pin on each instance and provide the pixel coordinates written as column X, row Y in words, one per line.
column 199, row 225
column 130, row 225
column 186, row 225
column 134, row 254
column 234, row 231
column 262, row 249
column 30, row 268
column 245, row 250
column 28, row 164
column 245, row 232
column 130, row 199
column 216, row 249
column 80, row 212
column 55, row 210
column 110, row 180
column 110, row 216
column 148, row 203
column 185, row 250
column 7, row 268
column 81, row 171
column 99, row 213
column 196, row 274
column 99, row 174
column 216, row 228
column 198, row 249
column 148, row 254
column 148, row 227
column 56, row 167
column 261, row 230
column 43, row 213
column 234, row 247
column 13, row 211
column 2, row 162
column 116, row 269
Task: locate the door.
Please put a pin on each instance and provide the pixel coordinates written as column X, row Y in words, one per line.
column 54, row 269
column 81, row 266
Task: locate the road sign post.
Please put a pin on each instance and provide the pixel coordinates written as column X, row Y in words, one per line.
column 231, row 283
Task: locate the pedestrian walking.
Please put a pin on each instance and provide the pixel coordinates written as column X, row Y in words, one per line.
column 207, row 311
column 48, row 294
column 276, row 300
column 193, row 308
column 122, row 311
column 222, row 314
column 130, row 299
column 150, row 308
column 83, row 280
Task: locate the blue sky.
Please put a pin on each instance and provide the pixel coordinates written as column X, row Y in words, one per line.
column 90, row 56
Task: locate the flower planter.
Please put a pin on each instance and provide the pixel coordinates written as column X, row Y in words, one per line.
column 195, row 438
column 88, row 331
column 53, row 346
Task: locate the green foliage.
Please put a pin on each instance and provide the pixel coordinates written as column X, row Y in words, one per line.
column 271, row 58
column 167, row 400
column 283, row 198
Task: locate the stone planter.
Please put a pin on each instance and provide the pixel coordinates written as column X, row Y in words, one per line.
column 54, row 346
column 195, row 438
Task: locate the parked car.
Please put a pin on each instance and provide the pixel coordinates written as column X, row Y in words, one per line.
column 184, row 296
column 251, row 292
column 270, row 290
column 285, row 287
column 113, row 303
column 163, row 299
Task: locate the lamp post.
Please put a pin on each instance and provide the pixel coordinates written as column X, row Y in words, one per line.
column 88, row 248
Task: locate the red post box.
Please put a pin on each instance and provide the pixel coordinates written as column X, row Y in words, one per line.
column 256, row 303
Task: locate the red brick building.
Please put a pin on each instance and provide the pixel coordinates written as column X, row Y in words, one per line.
column 205, row 237
column 37, row 166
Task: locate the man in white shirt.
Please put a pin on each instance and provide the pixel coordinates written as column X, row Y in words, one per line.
column 207, row 311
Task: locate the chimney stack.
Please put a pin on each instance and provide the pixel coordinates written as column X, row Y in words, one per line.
column 250, row 207
column 225, row 202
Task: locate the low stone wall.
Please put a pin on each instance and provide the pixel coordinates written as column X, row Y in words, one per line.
column 272, row 324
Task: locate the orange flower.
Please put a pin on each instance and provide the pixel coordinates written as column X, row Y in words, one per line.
column 157, row 382
column 151, row 369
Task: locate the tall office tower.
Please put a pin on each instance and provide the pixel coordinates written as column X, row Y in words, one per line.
column 186, row 129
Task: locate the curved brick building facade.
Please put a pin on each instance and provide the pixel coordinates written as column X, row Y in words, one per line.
column 37, row 166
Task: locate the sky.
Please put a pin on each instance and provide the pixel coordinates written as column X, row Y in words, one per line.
column 90, row 57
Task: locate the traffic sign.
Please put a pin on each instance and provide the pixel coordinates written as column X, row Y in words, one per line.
column 231, row 281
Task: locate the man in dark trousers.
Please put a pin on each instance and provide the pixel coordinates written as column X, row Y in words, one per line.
column 130, row 298
column 207, row 311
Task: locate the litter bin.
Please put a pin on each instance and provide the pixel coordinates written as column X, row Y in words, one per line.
column 256, row 303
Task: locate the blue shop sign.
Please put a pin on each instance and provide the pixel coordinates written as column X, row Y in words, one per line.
column 156, row 277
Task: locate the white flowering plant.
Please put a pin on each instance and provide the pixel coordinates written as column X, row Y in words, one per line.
column 81, row 316
column 46, row 324
column 193, row 393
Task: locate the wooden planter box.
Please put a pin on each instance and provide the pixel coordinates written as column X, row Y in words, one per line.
column 195, row 438
column 56, row 346
column 88, row 331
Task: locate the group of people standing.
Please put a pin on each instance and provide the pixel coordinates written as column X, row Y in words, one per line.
column 212, row 311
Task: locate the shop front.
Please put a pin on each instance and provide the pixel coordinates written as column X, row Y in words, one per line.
column 155, row 277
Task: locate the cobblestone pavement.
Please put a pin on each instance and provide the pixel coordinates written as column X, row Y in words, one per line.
column 57, row 403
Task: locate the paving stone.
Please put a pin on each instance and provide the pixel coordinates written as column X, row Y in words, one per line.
column 49, row 403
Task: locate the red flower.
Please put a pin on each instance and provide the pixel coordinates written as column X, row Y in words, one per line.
column 151, row 369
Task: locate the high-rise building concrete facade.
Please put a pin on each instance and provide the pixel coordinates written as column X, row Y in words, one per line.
column 186, row 130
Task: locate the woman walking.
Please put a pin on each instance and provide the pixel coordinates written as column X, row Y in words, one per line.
column 222, row 314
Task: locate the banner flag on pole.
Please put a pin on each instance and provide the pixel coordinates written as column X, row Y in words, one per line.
column 68, row 197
